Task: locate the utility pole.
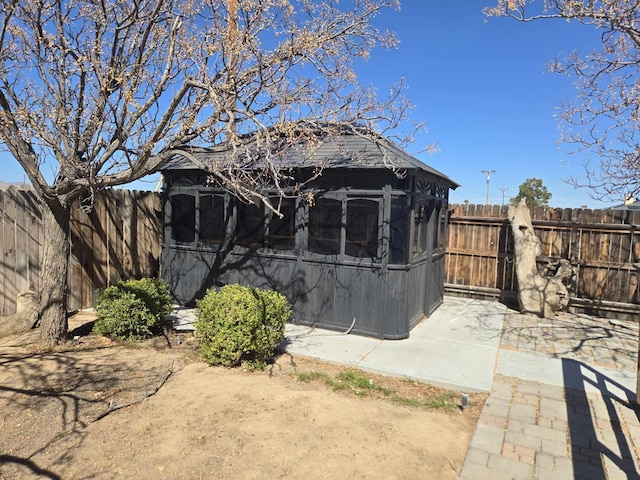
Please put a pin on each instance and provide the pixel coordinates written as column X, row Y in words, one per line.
column 488, row 174
column 503, row 189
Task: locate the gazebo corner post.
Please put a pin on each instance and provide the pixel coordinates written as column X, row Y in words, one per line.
column 385, row 248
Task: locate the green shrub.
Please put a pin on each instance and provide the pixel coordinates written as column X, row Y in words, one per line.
column 132, row 310
column 124, row 317
column 238, row 325
column 153, row 292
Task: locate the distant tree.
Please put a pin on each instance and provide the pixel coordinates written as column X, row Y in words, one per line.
column 97, row 94
column 605, row 118
column 535, row 193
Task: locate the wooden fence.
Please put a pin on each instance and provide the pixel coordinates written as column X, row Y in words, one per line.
column 19, row 245
column 602, row 245
column 119, row 238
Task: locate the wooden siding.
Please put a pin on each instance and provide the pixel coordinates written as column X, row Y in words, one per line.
column 323, row 294
column 19, row 246
column 603, row 245
column 119, row 238
column 339, row 291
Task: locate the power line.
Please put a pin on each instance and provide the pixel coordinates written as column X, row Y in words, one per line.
column 488, row 174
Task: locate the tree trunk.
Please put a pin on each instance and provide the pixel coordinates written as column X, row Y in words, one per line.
column 536, row 294
column 53, row 273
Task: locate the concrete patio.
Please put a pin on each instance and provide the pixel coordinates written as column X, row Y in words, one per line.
column 455, row 348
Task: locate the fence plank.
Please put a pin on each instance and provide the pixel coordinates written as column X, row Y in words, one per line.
column 119, row 238
column 3, row 273
column 9, row 259
column 20, row 239
column 602, row 244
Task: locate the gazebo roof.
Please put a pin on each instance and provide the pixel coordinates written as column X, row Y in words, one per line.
column 348, row 150
column 635, row 206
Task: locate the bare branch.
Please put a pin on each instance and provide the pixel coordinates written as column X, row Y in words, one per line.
column 605, row 117
column 152, row 392
column 103, row 92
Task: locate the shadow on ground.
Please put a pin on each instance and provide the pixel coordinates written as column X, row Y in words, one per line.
column 594, row 449
column 73, row 388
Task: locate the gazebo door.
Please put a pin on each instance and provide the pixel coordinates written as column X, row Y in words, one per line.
column 436, row 249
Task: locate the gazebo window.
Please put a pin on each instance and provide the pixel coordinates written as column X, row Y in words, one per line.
column 399, row 231
column 421, row 229
column 362, row 228
column 250, row 226
column 282, row 231
column 439, row 237
column 325, row 223
column 354, row 221
column 212, row 226
column 183, row 218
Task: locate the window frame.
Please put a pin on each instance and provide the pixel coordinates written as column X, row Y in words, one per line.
column 196, row 194
column 441, row 224
column 340, row 231
column 225, row 218
column 422, row 212
column 378, row 237
column 341, row 256
column 172, row 218
column 268, row 244
column 404, row 221
column 237, row 205
column 301, row 225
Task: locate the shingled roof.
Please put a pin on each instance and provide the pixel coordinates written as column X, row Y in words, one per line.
column 628, row 206
column 345, row 151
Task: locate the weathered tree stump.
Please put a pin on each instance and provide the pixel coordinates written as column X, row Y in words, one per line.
column 540, row 295
column 26, row 316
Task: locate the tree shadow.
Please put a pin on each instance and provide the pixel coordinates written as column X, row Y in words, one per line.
column 608, row 343
column 29, row 465
column 482, row 321
column 48, row 399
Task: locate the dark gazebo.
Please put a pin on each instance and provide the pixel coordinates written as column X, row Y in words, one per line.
column 362, row 250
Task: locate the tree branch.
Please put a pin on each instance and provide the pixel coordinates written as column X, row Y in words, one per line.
column 120, row 406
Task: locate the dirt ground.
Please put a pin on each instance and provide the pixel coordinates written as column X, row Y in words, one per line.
column 63, row 415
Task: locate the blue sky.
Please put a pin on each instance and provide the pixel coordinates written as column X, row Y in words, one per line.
column 482, row 88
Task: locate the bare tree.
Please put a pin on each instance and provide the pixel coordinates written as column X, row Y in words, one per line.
column 98, row 93
column 605, row 117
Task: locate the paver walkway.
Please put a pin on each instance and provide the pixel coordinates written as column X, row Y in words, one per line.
column 576, row 420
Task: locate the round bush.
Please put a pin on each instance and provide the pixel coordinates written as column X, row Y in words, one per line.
column 153, row 292
column 124, row 317
column 132, row 310
column 238, row 325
